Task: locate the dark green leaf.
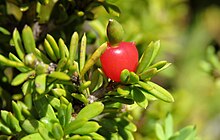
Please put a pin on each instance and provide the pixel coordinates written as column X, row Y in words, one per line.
column 125, row 75
column 61, row 114
column 27, row 87
column 44, row 109
column 161, row 65
column 55, row 102
column 28, row 39
column 58, row 92
column 148, row 56
column 17, row 111
column 109, row 125
column 134, row 78
column 139, row 97
column 68, row 113
column 4, row 129
column 122, row 100
column 112, row 9
column 20, row 78
column 57, row 131
column 30, row 126
column 125, row 134
column 88, row 127
column 124, row 91
column 74, row 125
column 13, row 123
column 90, row 111
column 44, row 131
column 18, row 44
column 157, row 91
column 4, row 115
column 148, row 74
column 80, row 97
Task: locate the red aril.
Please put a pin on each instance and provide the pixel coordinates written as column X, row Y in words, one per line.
column 119, row 57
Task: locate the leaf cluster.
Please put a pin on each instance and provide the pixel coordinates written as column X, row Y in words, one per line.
column 165, row 131
column 211, row 63
column 61, row 84
column 65, row 94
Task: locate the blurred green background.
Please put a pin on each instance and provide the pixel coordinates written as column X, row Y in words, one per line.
column 186, row 29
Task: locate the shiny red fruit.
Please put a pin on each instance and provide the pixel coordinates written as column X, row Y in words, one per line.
column 117, row 58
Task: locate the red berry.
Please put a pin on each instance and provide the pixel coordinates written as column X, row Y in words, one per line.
column 117, row 58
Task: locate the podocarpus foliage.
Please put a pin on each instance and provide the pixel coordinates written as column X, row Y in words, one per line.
column 55, row 89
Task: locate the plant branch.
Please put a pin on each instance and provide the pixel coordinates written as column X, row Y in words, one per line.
column 100, row 93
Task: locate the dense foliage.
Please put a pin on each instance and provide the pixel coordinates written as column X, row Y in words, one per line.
column 52, row 84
